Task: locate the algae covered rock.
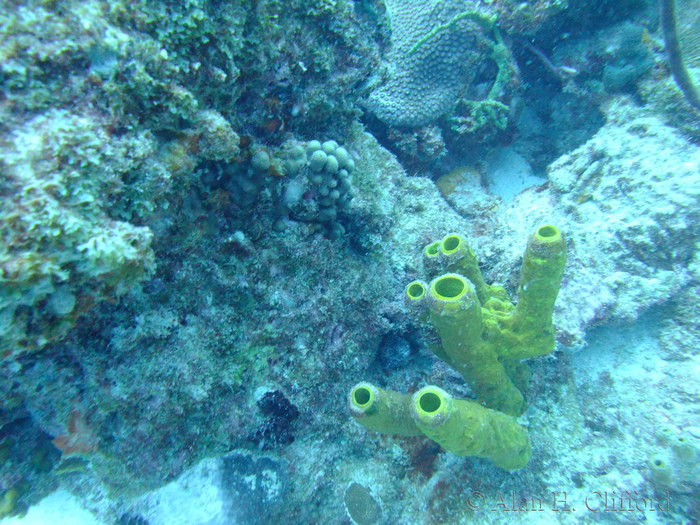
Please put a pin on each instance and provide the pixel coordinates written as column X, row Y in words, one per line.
column 63, row 250
column 675, row 465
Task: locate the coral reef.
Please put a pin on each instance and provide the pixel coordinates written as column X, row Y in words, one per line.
column 175, row 286
column 319, row 186
column 629, row 252
column 63, row 251
column 428, row 71
column 90, row 185
column 675, row 466
column 436, row 52
column 200, row 335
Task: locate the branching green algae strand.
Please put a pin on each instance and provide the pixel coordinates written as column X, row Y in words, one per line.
column 486, row 22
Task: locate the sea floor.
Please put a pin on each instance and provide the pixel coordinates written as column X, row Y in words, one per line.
column 597, row 421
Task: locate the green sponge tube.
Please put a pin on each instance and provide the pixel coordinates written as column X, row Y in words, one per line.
column 414, row 297
column 431, row 255
column 456, row 315
column 466, row 428
column 532, row 331
column 382, row 410
column 461, row 259
column 415, row 292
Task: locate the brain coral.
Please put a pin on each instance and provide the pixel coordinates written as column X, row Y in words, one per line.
column 425, row 80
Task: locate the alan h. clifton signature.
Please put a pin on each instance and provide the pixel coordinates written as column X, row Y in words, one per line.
column 596, row 501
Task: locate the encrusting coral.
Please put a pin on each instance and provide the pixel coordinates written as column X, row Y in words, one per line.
column 425, row 79
column 485, row 338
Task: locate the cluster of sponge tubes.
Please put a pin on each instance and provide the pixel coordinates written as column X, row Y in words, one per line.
column 485, row 338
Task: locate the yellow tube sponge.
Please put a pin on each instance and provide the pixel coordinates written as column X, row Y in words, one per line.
column 485, row 338
column 461, row 259
column 466, row 428
column 456, row 315
column 415, row 291
column 382, row 410
column 529, row 331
